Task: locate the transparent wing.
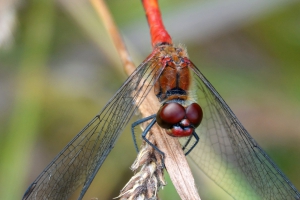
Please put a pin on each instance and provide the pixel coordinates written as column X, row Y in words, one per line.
column 230, row 156
column 78, row 163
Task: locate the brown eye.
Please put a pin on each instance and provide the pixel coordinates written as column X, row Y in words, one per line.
column 170, row 114
column 194, row 114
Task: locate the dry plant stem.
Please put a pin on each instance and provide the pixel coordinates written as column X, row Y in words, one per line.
column 175, row 161
column 113, row 31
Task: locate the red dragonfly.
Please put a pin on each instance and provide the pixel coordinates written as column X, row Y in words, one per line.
column 221, row 147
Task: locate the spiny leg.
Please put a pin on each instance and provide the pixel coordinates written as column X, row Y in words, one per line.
column 197, row 140
column 136, row 124
column 187, row 142
column 144, row 134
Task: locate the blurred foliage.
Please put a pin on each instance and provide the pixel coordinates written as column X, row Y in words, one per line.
column 25, row 116
column 280, row 36
column 60, row 72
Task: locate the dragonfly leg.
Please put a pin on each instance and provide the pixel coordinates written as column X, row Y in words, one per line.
column 197, row 140
column 136, row 124
column 144, row 134
column 187, row 142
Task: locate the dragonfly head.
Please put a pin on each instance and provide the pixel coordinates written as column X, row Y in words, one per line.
column 179, row 120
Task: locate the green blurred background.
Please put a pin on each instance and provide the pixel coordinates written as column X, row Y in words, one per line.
column 58, row 68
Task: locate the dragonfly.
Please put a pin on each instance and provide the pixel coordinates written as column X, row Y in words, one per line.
column 191, row 108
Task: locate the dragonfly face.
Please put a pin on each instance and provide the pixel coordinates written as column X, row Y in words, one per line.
column 180, row 121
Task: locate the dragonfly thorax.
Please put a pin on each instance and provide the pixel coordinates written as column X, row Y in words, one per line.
column 179, row 120
column 174, row 81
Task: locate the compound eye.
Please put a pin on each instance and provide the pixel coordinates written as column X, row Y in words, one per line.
column 194, row 114
column 170, row 114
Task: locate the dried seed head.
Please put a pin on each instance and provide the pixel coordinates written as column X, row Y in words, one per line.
column 145, row 184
